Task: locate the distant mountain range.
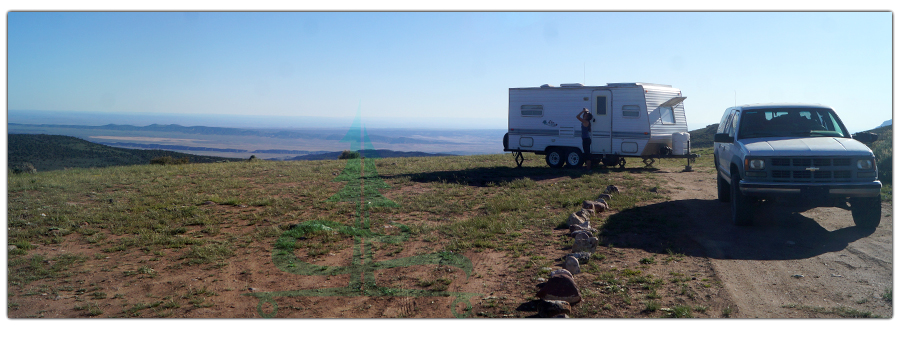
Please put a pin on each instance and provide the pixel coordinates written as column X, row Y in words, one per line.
column 887, row 122
column 220, row 131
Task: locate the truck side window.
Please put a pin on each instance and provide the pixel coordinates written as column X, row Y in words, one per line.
column 729, row 127
column 532, row 110
column 732, row 127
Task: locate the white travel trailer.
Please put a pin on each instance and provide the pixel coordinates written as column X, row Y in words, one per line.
column 629, row 120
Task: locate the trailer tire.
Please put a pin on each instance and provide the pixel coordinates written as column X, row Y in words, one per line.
column 574, row 158
column 609, row 160
column 555, row 158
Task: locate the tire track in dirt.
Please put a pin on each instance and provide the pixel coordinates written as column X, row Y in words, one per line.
column 791, row 263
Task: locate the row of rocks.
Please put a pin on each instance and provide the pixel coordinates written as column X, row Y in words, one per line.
column 560, row 292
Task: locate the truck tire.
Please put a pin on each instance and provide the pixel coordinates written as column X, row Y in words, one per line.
column 724, row 189
column 866, row 211
column 555, row 158
column 574, row 158
column 741, row 212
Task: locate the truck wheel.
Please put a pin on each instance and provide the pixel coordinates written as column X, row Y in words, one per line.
column 741, row 214
column 724, row 191
column 866, row 211
column 574, row 158
column 555, row 158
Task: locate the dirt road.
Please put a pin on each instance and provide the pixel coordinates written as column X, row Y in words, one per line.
column 814, row 263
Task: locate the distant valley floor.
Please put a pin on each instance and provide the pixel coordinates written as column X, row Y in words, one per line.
column 281, row 144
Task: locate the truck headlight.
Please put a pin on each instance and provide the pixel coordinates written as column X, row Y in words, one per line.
column 755, row 164
column 864, row 164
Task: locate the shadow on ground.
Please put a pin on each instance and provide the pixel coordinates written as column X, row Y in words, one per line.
column 486, row 176
column 703, row 228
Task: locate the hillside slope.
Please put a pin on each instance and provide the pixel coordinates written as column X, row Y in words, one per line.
column 703, row 137
column 48, row 152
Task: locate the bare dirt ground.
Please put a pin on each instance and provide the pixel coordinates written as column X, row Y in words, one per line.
column 683, row 253
column 813, row 263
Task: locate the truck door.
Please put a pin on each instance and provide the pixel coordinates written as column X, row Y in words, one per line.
column 601, row 126
column 724, row 149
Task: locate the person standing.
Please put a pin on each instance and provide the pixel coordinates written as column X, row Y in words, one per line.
column 585, row 117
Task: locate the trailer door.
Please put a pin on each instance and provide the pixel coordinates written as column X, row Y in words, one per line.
column 601, row 126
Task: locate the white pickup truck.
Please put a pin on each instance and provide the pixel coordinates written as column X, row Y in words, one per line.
column 799, row 153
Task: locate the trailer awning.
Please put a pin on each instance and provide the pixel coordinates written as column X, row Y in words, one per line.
column 673, row 101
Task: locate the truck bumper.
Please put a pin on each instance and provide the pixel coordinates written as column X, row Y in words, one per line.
column 814, row 190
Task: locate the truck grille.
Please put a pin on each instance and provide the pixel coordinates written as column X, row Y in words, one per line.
column 796, row 169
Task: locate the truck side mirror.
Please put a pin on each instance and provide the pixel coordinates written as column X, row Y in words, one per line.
column 723, row 138
column 865, row 137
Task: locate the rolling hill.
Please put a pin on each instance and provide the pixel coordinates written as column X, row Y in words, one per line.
column 48, row 152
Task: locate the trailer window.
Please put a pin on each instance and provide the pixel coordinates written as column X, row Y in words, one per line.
column 601, row 106
column 631, row 111
column 666, row 115
column 532, row 110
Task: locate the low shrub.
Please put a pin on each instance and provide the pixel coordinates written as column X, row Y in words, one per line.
column 168, row 160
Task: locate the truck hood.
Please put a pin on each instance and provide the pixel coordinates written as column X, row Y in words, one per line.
column 814, row 146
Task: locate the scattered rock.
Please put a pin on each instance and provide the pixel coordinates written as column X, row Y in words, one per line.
column 572, row 265
column 547, row 269
column 604, row 196
column 585, row 243
column 208, row 202
column 560, row 287
column 581, row 256
column 589, row 232
column 540, row 280
column 580, row 227
column 797, row 276
column 553, row 308
column 595, row 206
column 654, row 189
column 611, row 189
column 585, row 213
column 575, row 219
column 251, row 289
column 10, row 248
column 561, row 272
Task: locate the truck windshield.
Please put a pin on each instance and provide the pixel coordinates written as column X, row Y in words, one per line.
column 790, row 122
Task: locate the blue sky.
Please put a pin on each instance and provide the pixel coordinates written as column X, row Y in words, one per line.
column 444, row 69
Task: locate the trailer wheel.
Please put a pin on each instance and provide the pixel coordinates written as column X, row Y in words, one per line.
column 622, row 162
column 555, row 158
column 610, row 160
column 574, row 158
